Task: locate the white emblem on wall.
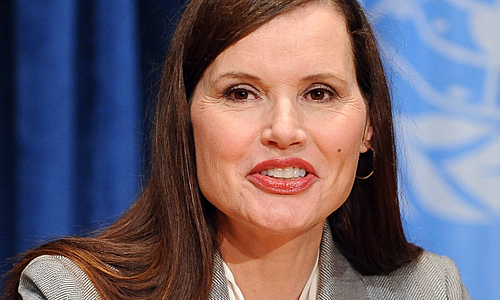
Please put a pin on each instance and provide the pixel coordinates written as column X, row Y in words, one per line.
column 453, row 146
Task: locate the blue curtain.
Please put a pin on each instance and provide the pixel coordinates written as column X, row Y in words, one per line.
column 75, row 77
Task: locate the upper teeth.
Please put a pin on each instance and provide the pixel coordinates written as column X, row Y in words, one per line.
column 286, row 173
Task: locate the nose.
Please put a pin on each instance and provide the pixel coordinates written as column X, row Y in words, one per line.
column 285, row 125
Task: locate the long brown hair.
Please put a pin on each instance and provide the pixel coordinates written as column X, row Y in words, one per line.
column 163, row 246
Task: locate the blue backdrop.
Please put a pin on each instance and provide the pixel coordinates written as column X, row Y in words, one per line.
column 74, row 80
column 75, row 77
column 444, row 57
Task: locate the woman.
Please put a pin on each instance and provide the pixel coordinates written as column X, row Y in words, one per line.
column 264, row 180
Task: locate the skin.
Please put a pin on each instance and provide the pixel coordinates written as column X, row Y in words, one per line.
column 287, row 90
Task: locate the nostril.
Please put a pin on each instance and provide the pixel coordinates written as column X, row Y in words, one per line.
column 283, row 139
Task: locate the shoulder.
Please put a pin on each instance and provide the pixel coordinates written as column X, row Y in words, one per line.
column 431, row 276
column 55, row 277
column 442, row 269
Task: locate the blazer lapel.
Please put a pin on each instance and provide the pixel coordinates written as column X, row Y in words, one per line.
column 337, row 279
column 218, row 291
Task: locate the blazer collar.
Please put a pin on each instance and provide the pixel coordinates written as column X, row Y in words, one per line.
column 337, row 279
column 218, row 291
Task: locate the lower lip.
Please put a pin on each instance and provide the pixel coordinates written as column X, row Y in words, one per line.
column 280, row 186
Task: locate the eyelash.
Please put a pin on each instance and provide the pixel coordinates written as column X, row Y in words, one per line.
column 230, row 93
column 329, row 93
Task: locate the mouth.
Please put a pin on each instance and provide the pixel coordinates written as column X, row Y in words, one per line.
column 285, row 175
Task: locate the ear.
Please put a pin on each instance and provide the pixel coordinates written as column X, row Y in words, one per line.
column 367, row 138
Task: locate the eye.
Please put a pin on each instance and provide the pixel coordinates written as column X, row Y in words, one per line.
column 320, row 93
column 241, row 93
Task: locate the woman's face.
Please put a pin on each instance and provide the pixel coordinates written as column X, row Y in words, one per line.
column 279, row 122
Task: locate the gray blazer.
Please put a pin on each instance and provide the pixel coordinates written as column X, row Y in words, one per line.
column 430, row 277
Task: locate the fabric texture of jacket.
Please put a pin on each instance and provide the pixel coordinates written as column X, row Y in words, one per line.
column 430, row 277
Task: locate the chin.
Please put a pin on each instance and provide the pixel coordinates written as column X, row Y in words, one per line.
column 287, row 224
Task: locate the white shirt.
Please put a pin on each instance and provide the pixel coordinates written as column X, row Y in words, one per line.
column 308, row 293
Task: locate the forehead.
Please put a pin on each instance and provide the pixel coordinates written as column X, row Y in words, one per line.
column 311, row 39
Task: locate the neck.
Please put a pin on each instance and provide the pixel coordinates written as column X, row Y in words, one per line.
column 270, row 265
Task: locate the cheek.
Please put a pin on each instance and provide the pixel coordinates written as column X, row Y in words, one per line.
column 338, row 145
column 221, row 145
column 338, row 139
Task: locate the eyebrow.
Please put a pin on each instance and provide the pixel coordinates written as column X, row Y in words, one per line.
column 323, row 76
column 313, row 77
column 236, row 75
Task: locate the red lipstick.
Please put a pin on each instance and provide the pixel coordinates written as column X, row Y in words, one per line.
column 282, row 186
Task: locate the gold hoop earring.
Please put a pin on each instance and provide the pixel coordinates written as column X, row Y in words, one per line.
column 373, row 166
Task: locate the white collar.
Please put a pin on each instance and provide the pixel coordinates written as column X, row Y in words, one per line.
column 309, row 292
